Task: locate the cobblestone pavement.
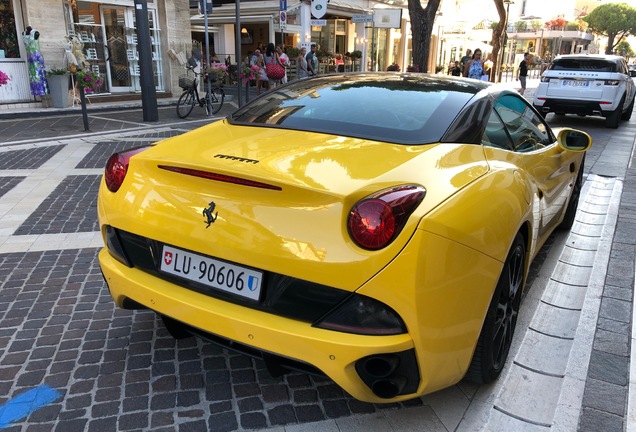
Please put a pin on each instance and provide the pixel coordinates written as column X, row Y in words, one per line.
column 119, row 370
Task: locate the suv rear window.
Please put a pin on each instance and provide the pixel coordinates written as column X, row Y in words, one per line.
column 595, row 65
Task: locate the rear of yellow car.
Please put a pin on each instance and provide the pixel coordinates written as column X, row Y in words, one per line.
column 318, row 246
column 285, row 220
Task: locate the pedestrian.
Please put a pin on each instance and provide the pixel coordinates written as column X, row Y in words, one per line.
column 312, row 60
column 474, row 68
column 455, row 69
column 465, row 59
column 271, row 57
column 284, row 60
column 262, row 82
column 522, row 73
column 301, row 64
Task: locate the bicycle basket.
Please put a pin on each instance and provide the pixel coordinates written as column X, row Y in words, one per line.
column 186, row 81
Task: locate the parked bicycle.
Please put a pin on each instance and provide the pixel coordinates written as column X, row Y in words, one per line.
column 190, row 96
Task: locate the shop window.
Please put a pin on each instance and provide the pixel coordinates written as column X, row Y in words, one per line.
column 9, row 47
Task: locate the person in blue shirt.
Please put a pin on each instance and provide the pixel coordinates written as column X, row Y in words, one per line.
column 312, row 61
column 474, row 67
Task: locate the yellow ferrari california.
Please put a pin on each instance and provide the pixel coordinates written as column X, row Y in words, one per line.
column 376, row 228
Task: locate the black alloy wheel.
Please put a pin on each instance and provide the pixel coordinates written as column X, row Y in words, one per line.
column 496, row 335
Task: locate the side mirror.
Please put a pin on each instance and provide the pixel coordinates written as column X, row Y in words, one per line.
column 574, row 140
column 632, row 73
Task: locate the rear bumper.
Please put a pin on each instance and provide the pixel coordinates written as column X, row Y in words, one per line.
column 336, row 354
column 567, row 106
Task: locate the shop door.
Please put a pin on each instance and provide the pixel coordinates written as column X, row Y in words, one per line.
column 121, row 50
column 122, row 57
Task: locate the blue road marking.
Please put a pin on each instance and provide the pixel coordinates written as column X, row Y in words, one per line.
column 21, row 406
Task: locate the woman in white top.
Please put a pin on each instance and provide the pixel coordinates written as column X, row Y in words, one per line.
column 284, row 60
column 301, row 64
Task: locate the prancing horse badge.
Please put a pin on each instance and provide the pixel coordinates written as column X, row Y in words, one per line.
column 210, row 215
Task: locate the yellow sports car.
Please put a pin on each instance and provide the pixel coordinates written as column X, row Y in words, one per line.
column 376, row 228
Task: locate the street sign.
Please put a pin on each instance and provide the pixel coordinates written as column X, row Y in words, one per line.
column 362, row 18
column 208, row 7
column 283, row 5
column 283, row 20
column 320, row 22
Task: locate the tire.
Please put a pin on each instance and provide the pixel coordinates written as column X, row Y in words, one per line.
column 628, row 114
column 185, row 104
column 573, row 204
column 541, row 113
column 218, row 97
column 614, row 118
column 498, row 329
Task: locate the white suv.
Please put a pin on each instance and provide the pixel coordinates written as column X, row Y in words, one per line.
column 588, row 85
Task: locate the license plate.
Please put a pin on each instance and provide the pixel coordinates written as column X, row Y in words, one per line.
column 211, row 272
column 573, row 83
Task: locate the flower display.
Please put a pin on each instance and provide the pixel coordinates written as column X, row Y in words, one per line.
column 218, row 72
column 249, row 73
column 322, row 53
column 89, row 80
column 4, row 78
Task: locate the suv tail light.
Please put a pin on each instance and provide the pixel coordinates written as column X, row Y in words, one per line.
column 612, row 82
column 376, row 221
column 117, row 167
column 545, row 79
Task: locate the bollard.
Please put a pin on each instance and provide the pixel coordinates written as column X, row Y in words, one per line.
column 84, row 111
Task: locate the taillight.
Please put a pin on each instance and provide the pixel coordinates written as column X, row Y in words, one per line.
column 612, row 82
column 363, row 315
column 545, row 79
column 376, row 221
column 117, row 167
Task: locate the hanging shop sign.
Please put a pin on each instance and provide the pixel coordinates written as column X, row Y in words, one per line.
column 318, row 8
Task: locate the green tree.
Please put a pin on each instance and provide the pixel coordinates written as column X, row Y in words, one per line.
column 614, row 20
column 422, row 20
column 623, row 48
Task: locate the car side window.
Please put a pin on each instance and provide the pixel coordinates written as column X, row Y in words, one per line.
column 495, row 134
column 526, row 128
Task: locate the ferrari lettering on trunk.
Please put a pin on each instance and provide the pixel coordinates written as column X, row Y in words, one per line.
column 213, row 273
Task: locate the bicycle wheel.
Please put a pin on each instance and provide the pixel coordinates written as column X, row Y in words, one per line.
column 185, row 104
column 217, row 96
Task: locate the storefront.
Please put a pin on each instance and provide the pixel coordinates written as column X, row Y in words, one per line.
column 99, row 36
column 260, row 24
column 108, row 38
column 12, row 54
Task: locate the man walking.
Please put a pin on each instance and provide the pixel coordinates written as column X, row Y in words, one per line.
column 523, row 72
column 465, row 59
column 312, row 61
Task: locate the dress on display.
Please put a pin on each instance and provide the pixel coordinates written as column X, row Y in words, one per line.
column 37, row 73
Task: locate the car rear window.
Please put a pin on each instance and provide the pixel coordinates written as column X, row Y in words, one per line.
column 403, row 109
column 593, row 65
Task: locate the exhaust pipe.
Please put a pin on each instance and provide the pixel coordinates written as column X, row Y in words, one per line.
column 390, row 387
column 381, row 366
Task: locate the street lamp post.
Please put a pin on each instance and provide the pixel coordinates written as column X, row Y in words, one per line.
column 503, row 50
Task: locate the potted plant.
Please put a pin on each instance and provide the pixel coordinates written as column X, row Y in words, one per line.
column 355, row 57
column 90, row 81
column 292, row 52
column 4, row 79
column 215, row 73
column 58, row 87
